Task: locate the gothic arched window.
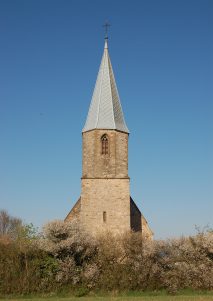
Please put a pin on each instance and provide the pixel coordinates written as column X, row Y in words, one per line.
column 104, row 145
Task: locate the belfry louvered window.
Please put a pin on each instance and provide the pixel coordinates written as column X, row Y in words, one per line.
column 104, row 145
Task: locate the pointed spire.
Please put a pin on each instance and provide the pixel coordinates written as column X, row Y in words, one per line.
column 105, row 110
column 106, row 44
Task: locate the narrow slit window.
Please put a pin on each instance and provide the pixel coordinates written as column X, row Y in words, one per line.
column 104, row 217
column 104, row 145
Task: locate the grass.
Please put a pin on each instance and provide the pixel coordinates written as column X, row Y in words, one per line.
column 186, row 295
column 120, row 298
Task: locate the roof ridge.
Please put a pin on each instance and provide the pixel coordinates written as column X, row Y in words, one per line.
column 99, row 98
column 108, row 60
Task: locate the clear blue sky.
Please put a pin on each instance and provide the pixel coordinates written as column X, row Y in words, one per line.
column 162, row 56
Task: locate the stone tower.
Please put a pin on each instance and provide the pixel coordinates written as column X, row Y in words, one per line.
column 105, row 202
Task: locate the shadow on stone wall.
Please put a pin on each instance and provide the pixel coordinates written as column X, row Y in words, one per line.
column 135, row 217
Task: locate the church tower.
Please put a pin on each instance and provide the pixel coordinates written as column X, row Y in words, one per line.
column 105, row 202
column 105, row 181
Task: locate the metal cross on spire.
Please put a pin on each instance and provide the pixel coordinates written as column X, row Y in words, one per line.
column 106, row 25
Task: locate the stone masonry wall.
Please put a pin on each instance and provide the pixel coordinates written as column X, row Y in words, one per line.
column 112, row 165
column 105, row 203
column 105, row 195
column 74, row 213
column 146, row 231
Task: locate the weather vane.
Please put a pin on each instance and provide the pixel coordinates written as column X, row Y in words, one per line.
column 106, row 25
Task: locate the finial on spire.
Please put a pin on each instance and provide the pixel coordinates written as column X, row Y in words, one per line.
column 106, row 25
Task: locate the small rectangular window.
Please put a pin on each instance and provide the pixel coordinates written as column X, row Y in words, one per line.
column 104, row 217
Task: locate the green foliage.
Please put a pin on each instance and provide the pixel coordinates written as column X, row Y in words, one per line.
column 25, row 271
column 81, row 291
column 28, row 232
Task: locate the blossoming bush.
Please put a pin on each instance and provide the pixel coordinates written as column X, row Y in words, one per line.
column 65, row 255
column 73, row 249
column 187, row 262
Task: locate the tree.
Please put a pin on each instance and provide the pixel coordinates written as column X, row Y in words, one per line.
column 9, row 226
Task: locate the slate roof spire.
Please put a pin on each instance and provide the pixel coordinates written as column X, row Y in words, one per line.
column 105, row 110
